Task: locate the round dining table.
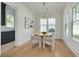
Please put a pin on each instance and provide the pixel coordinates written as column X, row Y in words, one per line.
column 41, row 40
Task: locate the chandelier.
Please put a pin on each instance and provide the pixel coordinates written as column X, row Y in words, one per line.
column 45, row 11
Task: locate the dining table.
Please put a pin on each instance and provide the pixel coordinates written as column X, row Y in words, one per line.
column 41, row 34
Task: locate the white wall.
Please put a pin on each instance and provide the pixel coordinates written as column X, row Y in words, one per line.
column 59, row 19
column 68, row 39
column 58, row 15
column 22, row 35
column 37, row 25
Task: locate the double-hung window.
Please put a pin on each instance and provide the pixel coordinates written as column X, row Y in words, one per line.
column 10, row 16
column 66, row 24
column 47, row 25
column 51, row 25
column 43, row 23
column 75, row 31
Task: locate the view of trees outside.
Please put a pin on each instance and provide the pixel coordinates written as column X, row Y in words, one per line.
column 51, row 25
column 51, row 30
column 76, row 21
column 47, row 25
column 9, row 21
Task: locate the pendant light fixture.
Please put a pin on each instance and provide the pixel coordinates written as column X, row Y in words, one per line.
column 45, row 11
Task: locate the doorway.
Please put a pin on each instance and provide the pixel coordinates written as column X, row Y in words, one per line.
column 7, row 27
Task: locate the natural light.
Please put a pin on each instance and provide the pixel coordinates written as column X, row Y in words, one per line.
column 9, row 21
column 76, row 21
column 47, row 25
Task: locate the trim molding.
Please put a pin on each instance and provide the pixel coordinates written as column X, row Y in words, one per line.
column 7, row 46
column 70, row 47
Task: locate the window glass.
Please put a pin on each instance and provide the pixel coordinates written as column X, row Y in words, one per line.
column 51, row 28
column 76, row 21
column 66, row 24
column 43, row 22
column 9, row 21
column 51, row 25
column 43, row 29
column 51, row 21
column 10, row 16
column 47, row 25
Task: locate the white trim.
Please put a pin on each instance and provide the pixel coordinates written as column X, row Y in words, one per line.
column 7, row 46
column 73, row 5
column 72, row 49
column 16, row 25
column 75, row 39
column 15, row 22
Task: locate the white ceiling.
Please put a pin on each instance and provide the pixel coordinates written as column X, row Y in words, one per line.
column 52, row 6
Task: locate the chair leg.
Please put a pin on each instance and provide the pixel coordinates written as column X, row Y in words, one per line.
column 53, row 46
column 40, row 44
column 32, row 46
column 43, row 45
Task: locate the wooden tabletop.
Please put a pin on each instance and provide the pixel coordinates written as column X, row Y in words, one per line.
column 41, row 34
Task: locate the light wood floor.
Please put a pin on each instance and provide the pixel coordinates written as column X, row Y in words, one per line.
column 61, row 50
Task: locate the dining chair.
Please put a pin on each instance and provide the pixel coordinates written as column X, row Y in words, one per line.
column 36, row 40
column 49, row 40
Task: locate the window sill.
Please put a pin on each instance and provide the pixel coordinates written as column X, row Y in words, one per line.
column 75, row 39
column 72, row 43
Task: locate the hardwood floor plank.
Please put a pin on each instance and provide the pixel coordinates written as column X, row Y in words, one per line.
column 61, row 50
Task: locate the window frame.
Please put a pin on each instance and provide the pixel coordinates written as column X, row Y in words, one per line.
column 75, row 38
column 11, row 14
column 47, row 25
column 66, row 24
column 13, row 22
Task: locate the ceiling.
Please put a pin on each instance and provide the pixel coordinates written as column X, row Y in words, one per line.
column 52, row 6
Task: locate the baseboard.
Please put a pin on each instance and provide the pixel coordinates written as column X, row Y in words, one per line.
column 7, row 46
column 70, row 47
column 22, row 43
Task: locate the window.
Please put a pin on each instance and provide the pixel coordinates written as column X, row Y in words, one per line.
column 43, row 25
column 75, row 11
column 51, row 25
column 10, row 16
column 9, row 21
column 47, row 25
column 66, row 24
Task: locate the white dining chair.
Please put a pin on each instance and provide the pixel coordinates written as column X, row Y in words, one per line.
column 36, row 40
column 49, row 40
